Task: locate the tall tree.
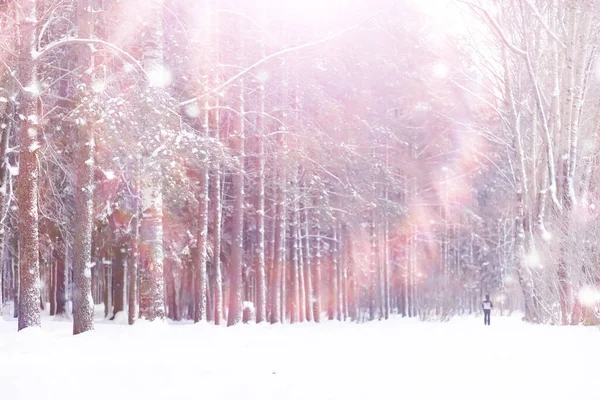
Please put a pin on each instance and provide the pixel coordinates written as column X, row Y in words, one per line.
column 83, row 304
column 151, row 293
column 29, row 132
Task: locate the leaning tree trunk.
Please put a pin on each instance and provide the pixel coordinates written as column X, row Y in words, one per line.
column 151, row 284
column 29, row 293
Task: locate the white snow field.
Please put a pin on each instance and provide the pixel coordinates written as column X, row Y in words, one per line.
column 396, row 359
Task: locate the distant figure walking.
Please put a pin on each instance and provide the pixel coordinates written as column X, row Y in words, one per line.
column 487, row 309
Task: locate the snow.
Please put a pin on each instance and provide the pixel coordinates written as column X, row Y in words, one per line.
column 532, row 259
column 160, row 77
column 347, row 361
column 33, row 89
column 98, row 86
column 193, row 110
column 110, row 175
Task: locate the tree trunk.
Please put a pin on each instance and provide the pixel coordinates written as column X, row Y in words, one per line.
column 151, row 290
column 216, row 211
column 261, row 306
column 350, row 287
column 386, row 267
column 29, row 292
column 16, row 275
column 305, row 233
column 132, row 277
column 317, row 264
column 295, row 276
column 341, row 273
column 107, row 295
column 172, row 311
column 201, row 273
column 52, row 287
column 374, row 268
column 118, row 277
column 6, row 127
column 299, row 254
column 271, row 254
column 83, row 303
column 201, row 277
column 237, row 245
column 279, row 255
column 333, row 275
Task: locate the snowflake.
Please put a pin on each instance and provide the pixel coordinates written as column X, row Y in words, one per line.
column 160, row 77
column 192, row 111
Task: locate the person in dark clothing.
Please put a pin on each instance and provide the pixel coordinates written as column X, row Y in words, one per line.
column 487, row 309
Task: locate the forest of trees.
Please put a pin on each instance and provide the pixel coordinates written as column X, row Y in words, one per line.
column 234, row 160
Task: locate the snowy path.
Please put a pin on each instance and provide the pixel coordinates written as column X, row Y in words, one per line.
column 397, row 359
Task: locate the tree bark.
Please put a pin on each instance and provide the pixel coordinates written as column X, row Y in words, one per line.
column 279, row 255
column 299, row 254
column 333, row 275
column 83, row 303
column 237, row 250
column 261, row 306
column 118, row 277
column 317, row 264
column 151, row 290
column 201, row 276
column 386, row 267
column 16, row 274
column 216, row 210
column 52, row 287
column 305, row 233
column 132, row 277
column 6, row 127
column 295, row 276
column 29, row 292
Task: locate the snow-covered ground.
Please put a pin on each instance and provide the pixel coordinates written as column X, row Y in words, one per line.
column 396, row 359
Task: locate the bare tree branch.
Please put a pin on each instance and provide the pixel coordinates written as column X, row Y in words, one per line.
column 280, row 53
